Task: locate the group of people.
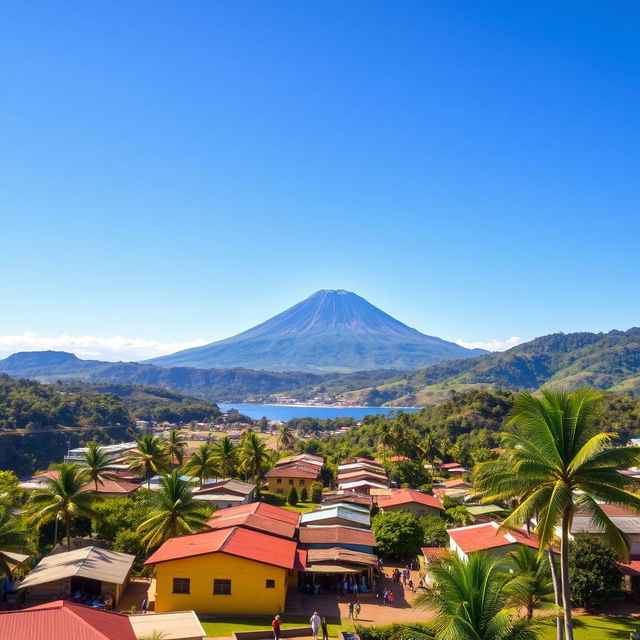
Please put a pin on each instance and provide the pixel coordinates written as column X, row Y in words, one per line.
column 387, row 597
column 403, row 576
column 80, row 596
column 317, row 623
column 354, row 609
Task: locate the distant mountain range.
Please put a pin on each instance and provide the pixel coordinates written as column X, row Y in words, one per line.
column 331, row 331
column 604, row 360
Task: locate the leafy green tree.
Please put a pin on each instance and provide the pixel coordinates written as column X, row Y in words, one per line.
column 434, row 531
column 119, row 514
column 149, row 458
column 98, row 464
column 555, row 461
column 408, row 472
column 10, row 492
column 13, row 537
column 176, row 446
column 63, row 498
column 128, row 541
column 304, row 495
column 292, row 497
column 531, row 586
column 225, row 456
column 172, row 512
column 316, row 492
column 203, row 463
column 594, row 573
column 384, row 437
column 398, row 534
column 458, row 516
column 471, row 602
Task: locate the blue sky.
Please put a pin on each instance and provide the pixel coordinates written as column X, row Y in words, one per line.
column 175, row 172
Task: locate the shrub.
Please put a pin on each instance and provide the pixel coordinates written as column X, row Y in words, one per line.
column 398, row 534
column 304, row 496
column 272, row 498
column 435, row 531
column 292, row 497
column 128, row 541
column 459, row 516
column 394, row 631
column 316, row 492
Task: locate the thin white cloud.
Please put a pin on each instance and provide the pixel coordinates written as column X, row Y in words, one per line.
column 112, row 348
column 492, row 345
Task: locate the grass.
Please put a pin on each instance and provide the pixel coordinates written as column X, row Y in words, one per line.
column 596, row 628
column 302, row 507
column 224, row 627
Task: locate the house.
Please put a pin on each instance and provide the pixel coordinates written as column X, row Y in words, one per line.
column 177, row 625
column 353, row 497
column 411, row 501
column 453, row 468
column 361, row 486
column 258, row 516
column 341, row 513
column 90, row 569
column 226, row 493
column 304, row 458
column 332, row 536
column 115, row 451
column 487, row 537
column 354, row 476
column 297, row 474
column 226, row 571
column 63, row 619
column 626, row 520
column 117, row 487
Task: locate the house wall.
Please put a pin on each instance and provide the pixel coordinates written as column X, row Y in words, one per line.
column 354, row 547
column 282, row 485
column 249, row 594
column 414, row 508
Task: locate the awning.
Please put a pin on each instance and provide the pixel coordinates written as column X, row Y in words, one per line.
column 333, row 568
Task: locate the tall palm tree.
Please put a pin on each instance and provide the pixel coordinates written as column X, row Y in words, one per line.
column 149, row 457
column 65, row 497
column 531, row 587
column 471, row 603
column 284, row 438
column 429, row 448
column 384, row 437
column 97, row 463
column 203, row 463
column 12, row 538
column 225, row 455
column 173, row 511
column 555, row 462
column 253, row 456
column 176, row 446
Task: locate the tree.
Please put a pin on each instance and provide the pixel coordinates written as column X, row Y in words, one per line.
column 384, row 437
column 594, row 573
column 64, row 498
column 398, row 534
column 13, row 537
column 470, row 602
column 10, row 492
column 176, row 446
column 408, row 472
column 284, row 438
column 149, row 458
column 203, row 463
column 173, row 511
column 225, row 457
column 554, row 461
column 532, row 586
column 304, row 494
column 97, row 463
column 292, row 497
column 434, row 531
column 316, row 492
column 253, row 456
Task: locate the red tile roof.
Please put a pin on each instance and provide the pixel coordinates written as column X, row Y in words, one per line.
column 631, row 568
column 408, row 496
column 457, row 483
column 434, row 554
column 253, row 521
column 242, row 543
column 295, row 470
column 399, row 459
column 450, row 465
column 261, row 509
column 112, row 486
column 362, row 474
column 64, row 620
column 337, row 536
column 478, row 537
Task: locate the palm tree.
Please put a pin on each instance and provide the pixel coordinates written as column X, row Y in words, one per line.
column 97, row 463
column 12, row 538
column 555, row 462
column 173, row 511
column 284, row 438
column 176, row 446
column 224, row 453
column 384, row 437
column 429, row 448
column 253, row 456
column 471, row 603
column 203, row 463
column 65, row 497
column 149, row 457
column 532, row 586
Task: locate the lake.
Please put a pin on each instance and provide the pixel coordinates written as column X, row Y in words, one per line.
column 284, row 412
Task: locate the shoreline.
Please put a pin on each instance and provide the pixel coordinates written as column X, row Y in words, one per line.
column 314, row 406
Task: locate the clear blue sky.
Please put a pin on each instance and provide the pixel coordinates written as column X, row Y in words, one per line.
column 180, row 170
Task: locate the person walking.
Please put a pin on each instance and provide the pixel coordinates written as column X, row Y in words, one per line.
column 325, row 631
column 275, row 625
column 385, row 597
column 351, row 609
column 315, row 625
column 392, row 598
column 145, row 604
column 356, row 610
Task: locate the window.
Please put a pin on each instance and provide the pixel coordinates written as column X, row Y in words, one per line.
column 270, row 584
column 290, row 481
column 301, row 482
column 279, row 481
column 222, row 587
column 181, row 585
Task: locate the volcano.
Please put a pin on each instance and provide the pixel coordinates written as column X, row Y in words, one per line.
column 330, row 331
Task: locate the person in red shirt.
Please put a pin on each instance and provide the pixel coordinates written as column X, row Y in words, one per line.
column 276, row 628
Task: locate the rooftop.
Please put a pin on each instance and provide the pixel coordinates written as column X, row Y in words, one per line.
column 294, row 470
column 478, row 537
column 409, row 496
column 337, row 535
column 230, row 485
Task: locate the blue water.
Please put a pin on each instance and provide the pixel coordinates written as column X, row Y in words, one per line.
column 284, row 413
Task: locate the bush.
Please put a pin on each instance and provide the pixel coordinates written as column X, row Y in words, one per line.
column 128, row 541
column 118, row 514
column 316, row 492
column 292, row 497
column 304, row 496
column 435, row 531
column 394, row 631
column 594, row 574
column 459, row 516
column 398, row 534
column 271, row 498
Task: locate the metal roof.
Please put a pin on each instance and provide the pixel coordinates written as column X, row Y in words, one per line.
column 173, row 626
column 89, row 562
